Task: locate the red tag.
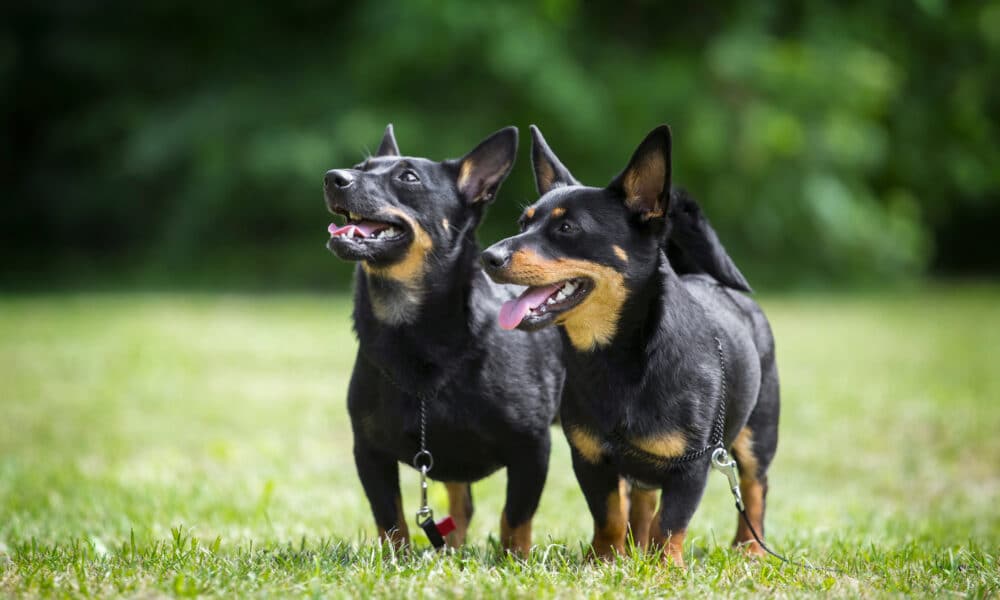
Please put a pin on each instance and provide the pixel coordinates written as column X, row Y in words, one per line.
column 445, row 526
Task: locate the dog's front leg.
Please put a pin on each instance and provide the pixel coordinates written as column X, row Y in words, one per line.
column 526, row 472
column 606, row 495
column 682, row 492
column 379, row 475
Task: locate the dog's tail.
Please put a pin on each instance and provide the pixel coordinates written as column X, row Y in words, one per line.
column 693, row 246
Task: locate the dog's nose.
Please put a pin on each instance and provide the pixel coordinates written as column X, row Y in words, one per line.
column 338, row 178
column 495, row 258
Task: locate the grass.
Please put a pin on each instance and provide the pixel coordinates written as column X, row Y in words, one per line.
column 198, row 445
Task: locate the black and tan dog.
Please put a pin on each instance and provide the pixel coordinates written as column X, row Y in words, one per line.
column 644, row 380
column 425, row 318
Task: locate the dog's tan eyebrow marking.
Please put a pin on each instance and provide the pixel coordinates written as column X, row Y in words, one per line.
column 529, row 212
column 620, row 252
column 558, row 211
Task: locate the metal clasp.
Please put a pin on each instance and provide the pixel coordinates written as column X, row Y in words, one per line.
column 424, row 512
column 424, row 461
column 721, row 461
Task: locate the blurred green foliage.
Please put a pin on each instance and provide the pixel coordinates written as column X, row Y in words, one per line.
column 184, row 142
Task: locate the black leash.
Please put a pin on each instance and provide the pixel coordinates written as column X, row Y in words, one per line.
column 721, row 461
column 423, row 461
column 724, row 463
column 746, row 520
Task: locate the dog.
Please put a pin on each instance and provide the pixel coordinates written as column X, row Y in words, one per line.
column 655, row 358
column 424, row 318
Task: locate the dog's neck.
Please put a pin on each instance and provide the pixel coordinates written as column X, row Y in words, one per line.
column 437, row 283
column 393, row 302
column 423, row 324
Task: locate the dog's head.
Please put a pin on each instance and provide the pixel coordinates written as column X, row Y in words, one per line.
column 583, row 250
column 404, row 216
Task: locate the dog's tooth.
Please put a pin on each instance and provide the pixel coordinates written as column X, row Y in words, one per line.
column 391, row 232
column 569, row 288
column 353, row 216
column 561, row 296
column 551, row 300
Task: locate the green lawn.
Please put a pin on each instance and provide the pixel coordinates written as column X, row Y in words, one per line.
column 170, row 444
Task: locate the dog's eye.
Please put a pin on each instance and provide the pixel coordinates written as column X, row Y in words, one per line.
column 409, row 177
column 565, row 227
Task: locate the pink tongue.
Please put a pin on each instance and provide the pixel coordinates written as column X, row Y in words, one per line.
column 360, row 229
column 512, row 312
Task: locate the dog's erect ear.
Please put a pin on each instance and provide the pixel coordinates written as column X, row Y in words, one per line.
column 388, row 146
column 645, row 182
column 549, row 172
column 481, row 171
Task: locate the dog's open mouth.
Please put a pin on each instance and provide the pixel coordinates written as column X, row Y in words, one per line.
column 539, row 306
column 358, row 228
column 371, row 239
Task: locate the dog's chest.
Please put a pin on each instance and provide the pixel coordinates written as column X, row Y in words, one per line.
column 462, row 447
column 614, row 401
column 639, row 425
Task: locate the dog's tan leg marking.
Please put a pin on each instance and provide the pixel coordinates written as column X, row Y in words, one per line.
column 515, row 539
column 670, row 543
column 460, row 507
column 642, row 506
column 398, row 535
column 609, row 537
column 754, row 494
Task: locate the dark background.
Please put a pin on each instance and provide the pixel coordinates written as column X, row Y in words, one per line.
column 161, row 144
